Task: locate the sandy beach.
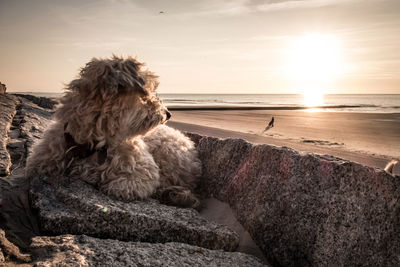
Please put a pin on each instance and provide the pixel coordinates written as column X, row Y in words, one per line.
column 368, row 138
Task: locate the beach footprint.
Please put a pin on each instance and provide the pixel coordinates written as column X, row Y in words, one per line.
column 321, row 142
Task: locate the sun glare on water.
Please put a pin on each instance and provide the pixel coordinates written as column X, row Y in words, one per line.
column 314, row 61
column 313, row 98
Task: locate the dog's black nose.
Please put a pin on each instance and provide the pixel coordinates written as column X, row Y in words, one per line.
column 168, row 115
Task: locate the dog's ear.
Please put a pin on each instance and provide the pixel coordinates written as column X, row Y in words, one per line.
column 134, row 77
column 130, row 76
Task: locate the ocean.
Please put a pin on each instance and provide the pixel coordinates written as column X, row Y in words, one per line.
column 370, row 103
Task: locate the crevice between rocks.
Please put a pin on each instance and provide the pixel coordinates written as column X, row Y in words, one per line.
column 17, row 144
column 16, row 218
column 5, row 154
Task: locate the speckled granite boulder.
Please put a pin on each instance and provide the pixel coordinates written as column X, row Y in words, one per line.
column 303, row 209
column 78, row 208
column 69, row 250
column 8, row 105
column 43, row 102
column 3, row 88
column 21, row 123
column 2, row 259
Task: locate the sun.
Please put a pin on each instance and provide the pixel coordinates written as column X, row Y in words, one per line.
column 315, row 57
column 313, row 62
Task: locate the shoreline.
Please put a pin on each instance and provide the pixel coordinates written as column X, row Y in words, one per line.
column 365, row 159
column 254, row 107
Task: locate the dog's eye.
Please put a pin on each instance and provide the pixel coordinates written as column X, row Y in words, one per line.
column 146, row 100
column 151, row 100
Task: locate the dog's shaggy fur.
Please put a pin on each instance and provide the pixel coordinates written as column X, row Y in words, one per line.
column 110, row 110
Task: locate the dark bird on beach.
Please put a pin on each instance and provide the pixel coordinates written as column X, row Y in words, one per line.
column 270, row 125
column 161, row 12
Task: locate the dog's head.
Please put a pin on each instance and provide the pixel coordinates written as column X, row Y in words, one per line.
column 115, row 76
column 112, row 98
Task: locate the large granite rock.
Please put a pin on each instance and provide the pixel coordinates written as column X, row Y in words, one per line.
column 78, row 208
column 29, row 123
column 44, row 102
column 21, row 123
column 3, row 88
column 304, row 209
column 69, row 250
column 8, row 105
column 11, row 250
column 2, row 259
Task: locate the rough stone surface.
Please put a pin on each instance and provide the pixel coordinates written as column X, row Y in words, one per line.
column 11, row 250
column 304, row 209
column 31, row 121
column 78, row 208
column 3, row 88
column 44, row 102
column 26, row 122
column 69, row 250
column 2, row 259
column 8, row 105
column 21, row 123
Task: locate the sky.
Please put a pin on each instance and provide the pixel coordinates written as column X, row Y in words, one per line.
column 210, row 46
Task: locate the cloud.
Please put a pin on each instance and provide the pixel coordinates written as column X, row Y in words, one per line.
column 92, row 43
column 189, row 9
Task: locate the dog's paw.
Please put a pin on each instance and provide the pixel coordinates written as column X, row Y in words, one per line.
column 178, row 196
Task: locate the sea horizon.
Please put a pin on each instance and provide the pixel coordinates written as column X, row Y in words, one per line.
column 362, row 103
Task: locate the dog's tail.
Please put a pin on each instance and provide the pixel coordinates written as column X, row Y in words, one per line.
column 389, row 167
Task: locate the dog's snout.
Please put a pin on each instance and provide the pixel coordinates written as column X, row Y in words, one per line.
column 168, row 114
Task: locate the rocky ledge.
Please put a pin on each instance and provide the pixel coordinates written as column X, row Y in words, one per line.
column 78, row 208
column 69, row 250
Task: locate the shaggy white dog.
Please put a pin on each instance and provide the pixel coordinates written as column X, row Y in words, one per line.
column 109, row 132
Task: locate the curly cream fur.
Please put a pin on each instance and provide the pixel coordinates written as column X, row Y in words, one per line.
column 111, row 106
